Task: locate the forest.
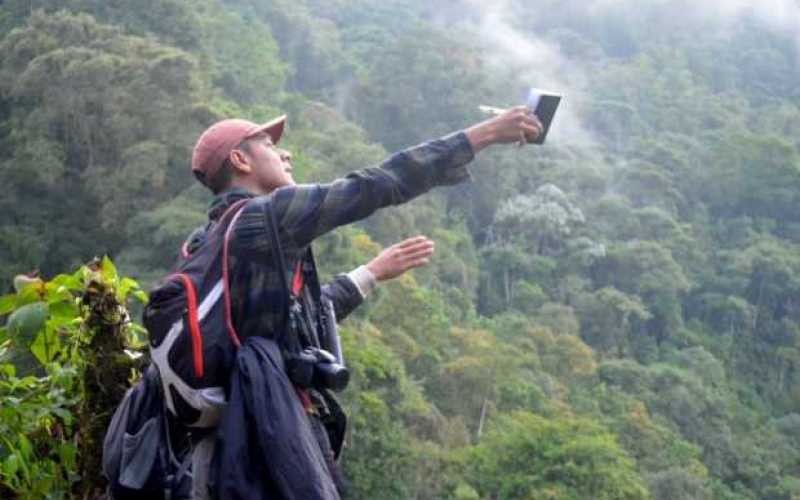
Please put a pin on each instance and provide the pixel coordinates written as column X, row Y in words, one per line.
column 612, row 315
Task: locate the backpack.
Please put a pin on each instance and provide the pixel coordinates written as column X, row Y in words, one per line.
column 138, row 458
column 181, row 393
column 192, row 339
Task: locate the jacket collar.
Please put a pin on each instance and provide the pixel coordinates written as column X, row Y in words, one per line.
column 222, row 201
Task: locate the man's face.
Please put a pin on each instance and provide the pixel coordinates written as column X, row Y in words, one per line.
column 271, row 166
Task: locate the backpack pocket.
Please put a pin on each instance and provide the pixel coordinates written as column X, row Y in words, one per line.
column 140, row 451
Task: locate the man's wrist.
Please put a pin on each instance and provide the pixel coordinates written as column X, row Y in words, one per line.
column 481, row 135
column 364, row 280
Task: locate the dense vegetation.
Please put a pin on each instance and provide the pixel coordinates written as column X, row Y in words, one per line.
column 615, row 315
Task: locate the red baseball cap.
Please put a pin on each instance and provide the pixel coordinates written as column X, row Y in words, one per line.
column 216, row 143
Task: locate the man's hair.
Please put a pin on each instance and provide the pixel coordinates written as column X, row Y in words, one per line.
column 222, row 178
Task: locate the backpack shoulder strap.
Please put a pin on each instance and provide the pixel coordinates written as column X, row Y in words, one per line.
column 272, row 230
column 269, row 217
column 228, row 224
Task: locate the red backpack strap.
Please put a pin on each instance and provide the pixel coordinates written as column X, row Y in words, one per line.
column 194, row 323
column 232, row 210
column 238, row 206
column 297, row 281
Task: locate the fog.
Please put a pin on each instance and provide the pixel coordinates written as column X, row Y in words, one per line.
column 532, row 62
column 782, row 16
column 502, row 29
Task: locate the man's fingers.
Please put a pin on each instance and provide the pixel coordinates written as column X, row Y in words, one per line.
column 522, row 108
column 422, row 248
column 414, row 244
column 530, row 128
column 411, row 241
column 532, row 119
column 418, row 263
column 418, row 254
column 531, row 132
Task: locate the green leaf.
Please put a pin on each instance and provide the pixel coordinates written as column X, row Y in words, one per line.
column 58, row 294
column 28, row 382
column 68, row 453
column 46, row 346
column 138, row 337
column 11, row 465
column 126, row 286
column 25, row 446
column 67, row 310
column 8, row 370
column 7, row 303
column 141, row 295
column 109, row 270
column 70, row 282
column 26, row 321
column 64, row 415
column 29, row 295
column 5, row 347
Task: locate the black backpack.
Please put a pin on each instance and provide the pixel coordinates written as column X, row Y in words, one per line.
column 147, row 450
column 192, row 339
column 138, row 458
column 191, row 349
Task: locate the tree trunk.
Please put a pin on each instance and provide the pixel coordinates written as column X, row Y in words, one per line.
column 482, row 419
column 105, row 381
column 758, row 305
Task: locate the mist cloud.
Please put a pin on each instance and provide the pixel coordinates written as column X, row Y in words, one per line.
column 538, row 62
column 533, row 62
column 783, row 16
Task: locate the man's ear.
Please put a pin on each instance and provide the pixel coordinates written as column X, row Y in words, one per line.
column 240, row 162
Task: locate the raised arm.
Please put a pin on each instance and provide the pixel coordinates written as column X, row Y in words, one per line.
column 305, row 212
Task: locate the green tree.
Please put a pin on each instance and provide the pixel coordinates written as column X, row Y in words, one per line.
column 528, row 456
column 101, row 124
column 610, row 319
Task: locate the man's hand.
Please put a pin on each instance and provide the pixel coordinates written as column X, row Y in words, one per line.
column 518, row 125
column 400, row 257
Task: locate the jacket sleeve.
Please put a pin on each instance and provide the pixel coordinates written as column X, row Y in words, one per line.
column 305, row 212
column 343, row 294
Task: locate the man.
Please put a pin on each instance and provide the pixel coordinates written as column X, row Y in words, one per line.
column 239, row 160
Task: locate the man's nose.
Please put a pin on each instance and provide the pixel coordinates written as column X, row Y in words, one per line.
column 285, row 155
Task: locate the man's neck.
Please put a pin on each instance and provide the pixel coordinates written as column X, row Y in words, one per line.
column 249, row 186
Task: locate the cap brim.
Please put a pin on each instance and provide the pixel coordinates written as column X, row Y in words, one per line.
column 273, row 127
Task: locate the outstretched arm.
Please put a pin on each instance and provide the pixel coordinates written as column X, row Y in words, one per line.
column 347, row 291
column 305, row 212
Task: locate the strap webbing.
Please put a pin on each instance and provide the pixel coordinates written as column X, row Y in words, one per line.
column 297, row 281
column 194, row 323
column 226, row 275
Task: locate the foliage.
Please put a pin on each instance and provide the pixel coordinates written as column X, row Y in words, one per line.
column 527, row 456
column 45, row 397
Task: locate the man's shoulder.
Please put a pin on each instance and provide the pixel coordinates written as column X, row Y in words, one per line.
column 296, row 197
